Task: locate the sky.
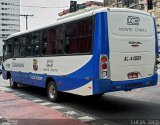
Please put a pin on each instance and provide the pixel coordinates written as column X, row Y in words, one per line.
column 43, row 16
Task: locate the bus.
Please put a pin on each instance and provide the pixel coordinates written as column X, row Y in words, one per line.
column 92, row 53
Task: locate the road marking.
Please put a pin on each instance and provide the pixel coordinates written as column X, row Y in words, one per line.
column 37, row 100
column 46, row 103
column 136, row 90
column 70, row 113
column 57, row 107
column 86, row 119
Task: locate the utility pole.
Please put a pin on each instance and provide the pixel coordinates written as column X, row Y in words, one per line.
column 26, row 16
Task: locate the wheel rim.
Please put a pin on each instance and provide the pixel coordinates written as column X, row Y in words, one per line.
column 52, row 92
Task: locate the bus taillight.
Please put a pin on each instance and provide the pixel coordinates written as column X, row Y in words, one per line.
column 104, row 59
column 103, row 66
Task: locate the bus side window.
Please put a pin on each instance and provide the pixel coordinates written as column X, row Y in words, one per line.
column 7, row 50
column 36, row 44
column 59, row 39
column 44, row 46
column 44, row 42
column 22, row 41
column 16, row 47
column 79, row 36
column 67, row 43
column 53, row 41
column 29, row 45
column 51, row 38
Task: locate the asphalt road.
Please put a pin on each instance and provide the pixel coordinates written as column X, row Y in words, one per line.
column 136, row 107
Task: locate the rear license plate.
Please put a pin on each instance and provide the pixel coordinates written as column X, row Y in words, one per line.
column 132, row 75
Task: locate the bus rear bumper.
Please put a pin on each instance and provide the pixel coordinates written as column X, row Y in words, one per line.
column 110, row 86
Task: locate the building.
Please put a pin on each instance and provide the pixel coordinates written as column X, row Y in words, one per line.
column 82, row 6
column 156, row 13
column 9, row 20
column 134, row 4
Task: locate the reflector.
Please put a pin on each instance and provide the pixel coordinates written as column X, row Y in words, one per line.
column 103, row 59
column 104, row 66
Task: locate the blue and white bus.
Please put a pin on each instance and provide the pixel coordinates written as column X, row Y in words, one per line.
column 100, row 51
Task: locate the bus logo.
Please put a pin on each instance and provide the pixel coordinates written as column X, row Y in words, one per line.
column 50, row 63
column 35, row 64
column 132, row 20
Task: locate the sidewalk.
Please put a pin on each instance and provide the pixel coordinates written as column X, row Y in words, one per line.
column 18, row 111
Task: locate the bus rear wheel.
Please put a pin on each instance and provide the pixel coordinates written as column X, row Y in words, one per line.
column 12, row 83
column 52, row 91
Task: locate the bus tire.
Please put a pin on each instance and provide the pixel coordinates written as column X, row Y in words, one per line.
column 52, row 92
column 12, row 83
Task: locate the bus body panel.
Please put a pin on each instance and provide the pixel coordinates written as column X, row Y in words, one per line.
column 69, row 75
column 132, row 45
column 58, row 65
column 111, row 86
column 118, row 48
column 101, row 46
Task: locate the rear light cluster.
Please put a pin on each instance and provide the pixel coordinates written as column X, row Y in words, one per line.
column 103, row 66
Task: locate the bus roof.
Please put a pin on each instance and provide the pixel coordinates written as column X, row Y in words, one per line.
column 76, row 17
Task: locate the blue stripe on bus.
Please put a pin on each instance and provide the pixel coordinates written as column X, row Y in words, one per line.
column 101, row 36
column 104, row 33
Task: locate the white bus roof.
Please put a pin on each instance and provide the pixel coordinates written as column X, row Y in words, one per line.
column 78, row 16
